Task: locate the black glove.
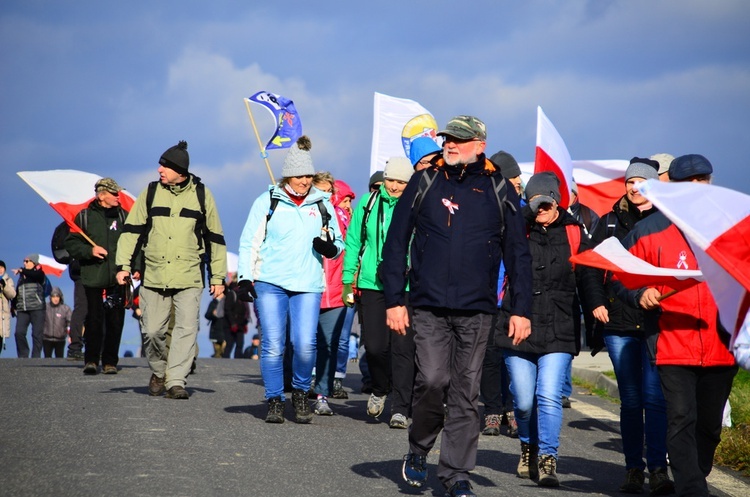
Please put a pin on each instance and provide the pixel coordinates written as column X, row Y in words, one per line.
column 325, row 248
column 246, row 291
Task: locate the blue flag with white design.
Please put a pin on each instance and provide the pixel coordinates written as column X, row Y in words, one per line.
column 288, row 124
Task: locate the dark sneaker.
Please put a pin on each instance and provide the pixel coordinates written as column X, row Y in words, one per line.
column 338, row 390
column 462, row 488
column 155, row 386
column 659, row 482
column 90, row 368
column 566, row 402
column 109, row 369
column 528, row 463
column 512, row 424
column 491, row 425
column 548, row 471
column 177, row 392
column 275, row 410
column 75, row 355
column 414, row 470
column 398, row 421
column 633, row 483
column 302, row 412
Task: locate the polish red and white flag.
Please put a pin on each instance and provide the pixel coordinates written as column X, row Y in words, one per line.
column 716, row 223
column 51, row 266
column 552, row 155
column 633, row 272
column 68, row 191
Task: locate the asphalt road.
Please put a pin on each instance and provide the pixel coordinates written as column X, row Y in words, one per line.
column 66, row 434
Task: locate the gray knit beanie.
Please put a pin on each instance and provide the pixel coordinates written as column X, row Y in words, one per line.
column 642, row 168
column 398, row 168
column 508, row 165
column 542, row 188
column 298, row 161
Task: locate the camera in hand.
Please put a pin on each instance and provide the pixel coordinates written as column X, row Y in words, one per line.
column 114, row 300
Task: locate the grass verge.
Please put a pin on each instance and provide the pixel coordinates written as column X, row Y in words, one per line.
column 734, row 450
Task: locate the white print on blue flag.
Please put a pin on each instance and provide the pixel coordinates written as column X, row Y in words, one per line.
column 288, row 124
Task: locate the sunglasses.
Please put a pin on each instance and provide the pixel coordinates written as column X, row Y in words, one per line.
column 27, row 260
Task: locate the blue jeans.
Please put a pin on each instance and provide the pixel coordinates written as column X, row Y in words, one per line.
column 343, row 351
column 536, row 382
column 275, row 306
column 640, row 391
column 330, row 323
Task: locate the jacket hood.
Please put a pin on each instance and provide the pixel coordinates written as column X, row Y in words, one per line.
column 341, row 191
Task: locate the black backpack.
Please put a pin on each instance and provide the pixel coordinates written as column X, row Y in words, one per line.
column 63, row 230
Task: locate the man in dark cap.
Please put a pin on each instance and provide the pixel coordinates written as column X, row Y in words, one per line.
column 695, row 366
column 102, row 222
column 453, row 292
column 176, row 224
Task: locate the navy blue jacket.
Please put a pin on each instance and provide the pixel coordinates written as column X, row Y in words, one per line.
column 457, row 246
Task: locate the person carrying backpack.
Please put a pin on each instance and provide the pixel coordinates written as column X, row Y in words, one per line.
column 282, row 246
column 30, row 306
column 174, row 225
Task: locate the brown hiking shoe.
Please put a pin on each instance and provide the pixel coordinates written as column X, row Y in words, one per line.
column 659, row 482
column 527, row 465
column 177, row 392
column 90, row 368
column 491, row 425
column 109, row 369
column 548, row 471
column 155, row 386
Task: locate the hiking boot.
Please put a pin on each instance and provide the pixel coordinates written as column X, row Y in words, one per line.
column 398, row 421
column 338, row 390
column 462, row 488
column 633, row 483
column 75, row 355
column 414, row 470
column 512, row 424
column 527, row 465
column 548, row 471
column 109, row 369
column 491, row 425
column 155, row 386
column 659, row 482
column 321, row 407
column 566, row 402
column 375, row 405
column 302, row 413
column 275, row 410
column 177, row 392
column 90, row 368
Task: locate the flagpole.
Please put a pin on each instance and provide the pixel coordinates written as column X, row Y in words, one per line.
column 263, row 152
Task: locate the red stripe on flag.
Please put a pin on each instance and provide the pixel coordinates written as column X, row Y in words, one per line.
column 601, row 196
column 731, row 250
column 543, row 162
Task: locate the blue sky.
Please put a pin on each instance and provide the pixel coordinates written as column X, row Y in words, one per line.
column 106, row 87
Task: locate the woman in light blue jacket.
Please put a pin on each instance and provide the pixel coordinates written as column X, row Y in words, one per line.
column 287, row 233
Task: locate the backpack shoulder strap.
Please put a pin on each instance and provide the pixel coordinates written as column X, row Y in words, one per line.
column 325, row 216
column 425, row 182
column 271, row 210
column 374, row 196
column 586, row 215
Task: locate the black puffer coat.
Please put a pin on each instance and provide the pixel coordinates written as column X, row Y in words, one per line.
column 554, row 289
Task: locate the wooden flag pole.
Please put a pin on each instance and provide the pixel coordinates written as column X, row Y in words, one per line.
column 263, row 152
column 668, row 294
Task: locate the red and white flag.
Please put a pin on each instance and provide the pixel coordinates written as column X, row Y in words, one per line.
column 51, row 266
column 68, row 191
column 552, row 155
column 633, row 272
column 716, row 223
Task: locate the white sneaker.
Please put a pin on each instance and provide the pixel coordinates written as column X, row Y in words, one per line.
column 375, row 405
column 322, row 408
column 398, row 421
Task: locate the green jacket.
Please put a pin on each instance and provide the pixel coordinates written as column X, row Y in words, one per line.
column 103, row 226
column 172, row 252
column 377, row 227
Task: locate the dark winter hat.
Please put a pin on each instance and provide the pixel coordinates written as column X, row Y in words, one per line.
column 642, row 168
column 109, row 185
column 298, row 161
column 542, row 188
column 507, row 164
column 687, row 166
column 2, row 263
column 176, row 158
column 465, row 128
column 377, row 177
column 33, row 258
column 424, row 145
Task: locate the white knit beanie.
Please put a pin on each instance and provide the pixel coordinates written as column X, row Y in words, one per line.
column 298, row 161
column 398, row 168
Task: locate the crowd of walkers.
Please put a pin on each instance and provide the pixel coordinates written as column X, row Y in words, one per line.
column 460, row 278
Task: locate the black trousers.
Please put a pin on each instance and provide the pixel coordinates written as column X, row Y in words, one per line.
column 51, row 346
column 77, row 318
column 234, row 341
column 390, row 357
column 695, row 404
column 494, row 387
column 103, row 330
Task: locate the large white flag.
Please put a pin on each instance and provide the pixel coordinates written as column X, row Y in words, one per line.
column 390, row 116
column 716, row 223
column 552, row 155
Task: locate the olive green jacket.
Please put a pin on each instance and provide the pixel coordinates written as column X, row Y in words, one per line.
column 172, row 251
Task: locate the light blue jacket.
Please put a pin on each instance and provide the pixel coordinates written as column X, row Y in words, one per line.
column 286, row 257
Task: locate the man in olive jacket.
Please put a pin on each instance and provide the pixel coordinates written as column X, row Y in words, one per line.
column 175, row 231
column 102, row 223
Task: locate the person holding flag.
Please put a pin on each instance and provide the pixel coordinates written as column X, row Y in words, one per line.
column 102, row 222
column 686, row 340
